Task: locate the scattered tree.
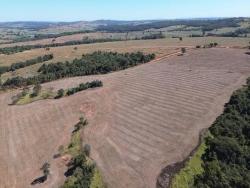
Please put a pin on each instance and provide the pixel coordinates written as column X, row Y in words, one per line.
column 183, row 50
column 45, row 169
column 36, row 90
column 87, row 149
column 60, row 94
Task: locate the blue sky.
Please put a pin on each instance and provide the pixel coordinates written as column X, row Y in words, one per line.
column 74, row 10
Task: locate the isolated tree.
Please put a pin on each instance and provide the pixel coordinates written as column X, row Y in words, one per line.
column 75, row 48
column 60, row 93
column 83, row 121
column 36, row 90
column 45, row 169
column 61, row 149
column 25, row 91
column 180, row 38
column 87, row 149
column 183, row 50
column 203, row 32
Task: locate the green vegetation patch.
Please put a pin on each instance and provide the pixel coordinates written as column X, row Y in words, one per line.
column 185, row 178
column 97, row 181
column 28, row 96
column 82, row 171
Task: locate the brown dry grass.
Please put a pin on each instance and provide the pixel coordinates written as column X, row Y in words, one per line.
column 66, row 53
column 143, row 119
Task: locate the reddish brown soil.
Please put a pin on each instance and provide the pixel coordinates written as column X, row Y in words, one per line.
column 142, row 120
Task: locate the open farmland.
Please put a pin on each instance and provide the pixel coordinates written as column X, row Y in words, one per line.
column 142, row 120
column 160, row 47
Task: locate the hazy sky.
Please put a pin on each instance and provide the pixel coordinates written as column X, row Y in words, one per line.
column 74, row 10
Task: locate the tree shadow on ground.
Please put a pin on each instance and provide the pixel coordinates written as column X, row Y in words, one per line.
column 39, row 180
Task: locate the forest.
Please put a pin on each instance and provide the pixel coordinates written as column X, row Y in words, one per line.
column 227, row 157
column 90, row 64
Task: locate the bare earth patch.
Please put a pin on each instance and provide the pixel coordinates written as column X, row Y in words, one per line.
column 142, row 120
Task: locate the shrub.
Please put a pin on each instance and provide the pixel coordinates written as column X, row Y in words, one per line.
column 87, row 149
column 183, row 50
column 60, row 94
column 36, row 90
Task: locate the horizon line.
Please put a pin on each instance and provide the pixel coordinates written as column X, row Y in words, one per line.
column 125, row 20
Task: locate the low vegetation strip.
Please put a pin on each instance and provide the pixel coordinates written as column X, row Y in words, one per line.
column 89, row 64
column 193, row 167
column 37, row 93
column 226, row 153
column 82, row 171
column 27, row 63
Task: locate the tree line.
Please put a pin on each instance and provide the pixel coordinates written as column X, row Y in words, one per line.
column 81, row 87
column 205, row 24
column 89, row 64
column 227, row 157
column 27, row 63
column 17, row 49
column 242, row 32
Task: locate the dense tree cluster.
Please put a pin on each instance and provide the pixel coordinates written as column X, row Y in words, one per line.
column 227, row 158
column 27, row 63
column 89, row 64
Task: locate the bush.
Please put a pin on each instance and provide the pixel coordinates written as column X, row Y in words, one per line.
column 36, row 90
column 60, row 94
column 87, row 149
